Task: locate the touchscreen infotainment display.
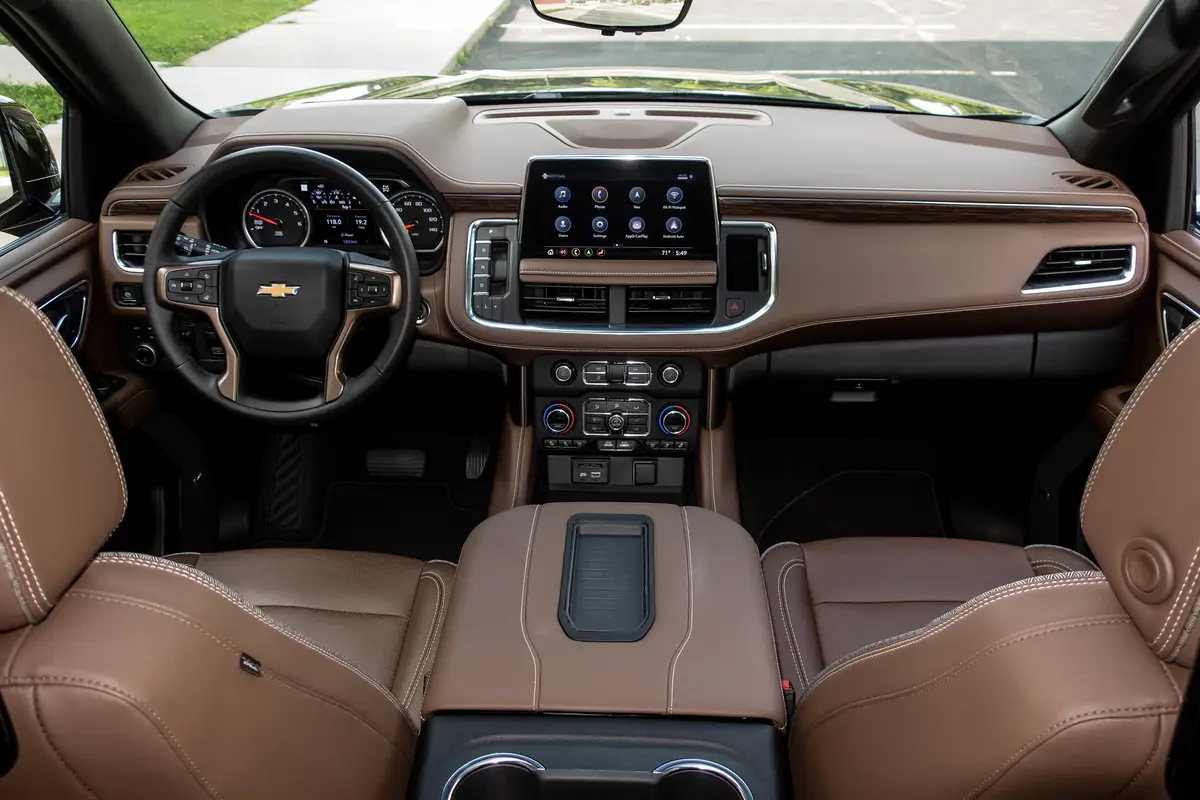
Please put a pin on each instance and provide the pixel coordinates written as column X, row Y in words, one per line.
column 617, row 208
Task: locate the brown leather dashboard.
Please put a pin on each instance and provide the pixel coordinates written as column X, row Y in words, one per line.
column 888, row 225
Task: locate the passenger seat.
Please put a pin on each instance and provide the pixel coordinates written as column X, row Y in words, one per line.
column 949, row 668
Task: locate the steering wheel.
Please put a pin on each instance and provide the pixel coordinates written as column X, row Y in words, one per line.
column 282, row 304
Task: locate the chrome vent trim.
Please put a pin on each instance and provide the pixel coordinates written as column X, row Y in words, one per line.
column 564, row 301
column 1070, row 269
column 129, row 250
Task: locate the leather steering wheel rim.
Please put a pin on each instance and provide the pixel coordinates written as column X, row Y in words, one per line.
column 160, row 256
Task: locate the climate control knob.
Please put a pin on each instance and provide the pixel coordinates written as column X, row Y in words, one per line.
column 674, row 420
column 558, row 419
column 670, row 374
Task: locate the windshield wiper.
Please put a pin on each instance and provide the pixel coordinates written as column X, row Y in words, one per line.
column 1027, row 119
column 602, row 95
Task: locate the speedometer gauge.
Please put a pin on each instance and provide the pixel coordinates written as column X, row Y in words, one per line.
column 421, row 217
column 275, row 218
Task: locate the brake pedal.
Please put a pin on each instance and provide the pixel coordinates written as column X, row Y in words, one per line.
column 477, row 458
column 404, row 464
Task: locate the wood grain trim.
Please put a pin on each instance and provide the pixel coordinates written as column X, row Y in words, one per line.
column 136, row 208
column 633, row 273
column 916, row 211
column 485, row 203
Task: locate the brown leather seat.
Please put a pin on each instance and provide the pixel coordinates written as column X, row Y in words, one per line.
column 270, row 673
column 944, row 668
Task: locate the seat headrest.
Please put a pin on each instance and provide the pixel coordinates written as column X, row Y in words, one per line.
column 1141, row 504
column 62, row 491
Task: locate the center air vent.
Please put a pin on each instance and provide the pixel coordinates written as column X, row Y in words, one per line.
column 1082, row 267
column 130, row 247
column 668, row 305
column 564, row 302
column 153, row 173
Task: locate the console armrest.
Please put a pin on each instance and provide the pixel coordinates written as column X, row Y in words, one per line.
column 709, row 652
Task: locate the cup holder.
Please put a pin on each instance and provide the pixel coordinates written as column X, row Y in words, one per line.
column 509, row 776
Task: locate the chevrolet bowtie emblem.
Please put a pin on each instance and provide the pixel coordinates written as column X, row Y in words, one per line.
column 279, row 290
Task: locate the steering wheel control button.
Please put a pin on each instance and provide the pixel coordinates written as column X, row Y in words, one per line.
column 674, row 225
column 670, row 374
column 562, row 194
column 600, row 225
column 564, row 373
column 674, row 195
column 637, row 225
column 368, row 289
column 558, row 419
column 674, row 421
column 637, row 195
column 562, row 224
column 600, row 194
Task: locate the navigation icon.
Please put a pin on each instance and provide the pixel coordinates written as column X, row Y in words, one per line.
column 674, row 195
column 562, row 194
column 674, row 225
column 637, row 194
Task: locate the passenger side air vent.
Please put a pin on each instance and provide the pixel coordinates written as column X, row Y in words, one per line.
column 1088, row 180
column 1078, row 267
column 154, row 173
column 669, row 305
column 1176, row 317
column 564, row 302
column 130, row 247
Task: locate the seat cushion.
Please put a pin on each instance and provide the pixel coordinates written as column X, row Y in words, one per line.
column 382, row 613
column 832, row 597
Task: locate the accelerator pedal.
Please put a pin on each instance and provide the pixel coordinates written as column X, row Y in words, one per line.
column 477, row 458
column 396, row 464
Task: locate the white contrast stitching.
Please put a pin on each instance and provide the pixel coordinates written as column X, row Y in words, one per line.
column 204, row 579
column 1066, row 550
column 1186, row 632
column 524, row 588
column 517, row 474
column 1127, row 412
column 73, row 365
column 687, row 538
column 1169, row 623
column 1035, row 584
column 24, row 554
column 16, row 588
column 437, row 610
column 27, row 593
column 786, row 611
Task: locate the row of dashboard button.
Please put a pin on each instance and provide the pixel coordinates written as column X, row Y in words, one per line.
column 617, row 445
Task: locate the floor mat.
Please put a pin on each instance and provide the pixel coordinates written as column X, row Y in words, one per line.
column 858, row 503
column 415, row 520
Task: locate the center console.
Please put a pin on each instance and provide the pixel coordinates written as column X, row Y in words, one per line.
column 591, row 648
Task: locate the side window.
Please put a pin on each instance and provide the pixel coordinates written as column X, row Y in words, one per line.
column 31, row 113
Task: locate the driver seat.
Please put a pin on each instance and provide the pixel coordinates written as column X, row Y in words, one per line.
column 268, row 673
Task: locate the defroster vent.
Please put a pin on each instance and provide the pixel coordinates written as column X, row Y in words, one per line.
column 1077, row 267
column 565, row 302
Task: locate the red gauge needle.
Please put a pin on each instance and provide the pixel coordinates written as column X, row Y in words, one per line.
column 264, row 219
column 410, row 225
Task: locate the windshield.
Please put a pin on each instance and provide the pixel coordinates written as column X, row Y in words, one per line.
column 990, row 57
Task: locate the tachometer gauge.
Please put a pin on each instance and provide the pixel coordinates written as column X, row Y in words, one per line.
column 275, row 218
column 422, row 218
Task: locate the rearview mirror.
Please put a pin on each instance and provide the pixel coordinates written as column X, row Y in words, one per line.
column 610, row 16
column 30, row 186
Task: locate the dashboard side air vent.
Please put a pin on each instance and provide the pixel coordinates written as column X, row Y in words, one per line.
column 1090, row 180
column 564, row 302
column 1079, row 267
column 130, row 247
column 671, row 305
column 153, row 173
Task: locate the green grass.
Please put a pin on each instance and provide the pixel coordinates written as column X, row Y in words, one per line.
column 172, row 31
column 43, row 101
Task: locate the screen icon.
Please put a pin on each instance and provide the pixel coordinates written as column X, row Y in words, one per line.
column 674, row 225
column 564, row 252
column 637, row 194
column 575, row 252
column 550, row 252
column 600, row 225
column 637, row 225
column 562, row 224
column 600, row 194
column 600, row 252
column 588, row 252
column 674, row 195
column 562, row 194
